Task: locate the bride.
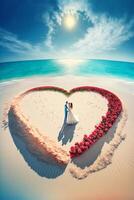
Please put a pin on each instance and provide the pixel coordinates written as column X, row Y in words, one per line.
column 71, row 118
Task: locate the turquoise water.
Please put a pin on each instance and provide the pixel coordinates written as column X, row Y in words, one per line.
column 107, row 68
column 23, row 69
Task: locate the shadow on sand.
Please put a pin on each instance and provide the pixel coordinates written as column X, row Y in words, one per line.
column 88, row 158
column 42, row 168
column 48, row 170
column 66, row 133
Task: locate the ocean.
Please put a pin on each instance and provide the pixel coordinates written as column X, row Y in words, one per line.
column 51, row 67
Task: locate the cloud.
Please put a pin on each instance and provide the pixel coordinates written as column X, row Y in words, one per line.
column 51, row 29
column 10, row 41
column 54, row 19
column 22, row 49
column 106, row 34
column 75, row 7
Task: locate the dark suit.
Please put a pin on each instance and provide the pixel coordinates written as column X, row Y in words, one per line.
column 66, row 111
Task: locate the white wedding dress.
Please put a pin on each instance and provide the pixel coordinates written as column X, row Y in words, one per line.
column 71, row 118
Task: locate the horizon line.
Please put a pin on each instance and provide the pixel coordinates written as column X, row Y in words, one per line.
column 41, row 59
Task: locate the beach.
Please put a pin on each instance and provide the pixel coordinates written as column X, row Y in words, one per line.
column 115, row 181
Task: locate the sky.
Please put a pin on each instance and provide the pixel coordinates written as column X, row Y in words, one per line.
column 38, row 29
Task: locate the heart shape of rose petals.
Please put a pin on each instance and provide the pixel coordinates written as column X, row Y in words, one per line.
column 43, row 146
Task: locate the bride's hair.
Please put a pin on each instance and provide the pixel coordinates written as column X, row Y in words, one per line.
column 71, row 105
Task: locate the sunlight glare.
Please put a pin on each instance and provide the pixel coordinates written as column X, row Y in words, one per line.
column 69, row 21
column 70, row 64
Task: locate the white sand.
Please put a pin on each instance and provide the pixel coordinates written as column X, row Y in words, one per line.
column 45, row 110
column 115, row 182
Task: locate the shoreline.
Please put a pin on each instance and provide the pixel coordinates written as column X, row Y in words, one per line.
column 40, row 78
column 103, row 59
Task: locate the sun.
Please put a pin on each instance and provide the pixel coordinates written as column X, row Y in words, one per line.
column 69, row 21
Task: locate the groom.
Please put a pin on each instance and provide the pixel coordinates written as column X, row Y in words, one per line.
column 66, row 110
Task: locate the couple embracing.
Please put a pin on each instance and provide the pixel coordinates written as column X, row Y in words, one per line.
column 70, row 118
